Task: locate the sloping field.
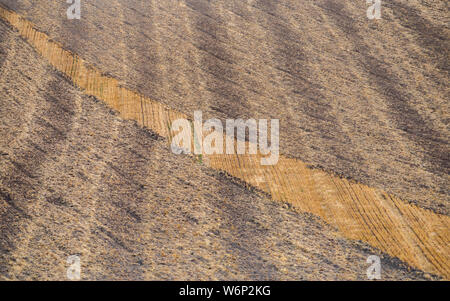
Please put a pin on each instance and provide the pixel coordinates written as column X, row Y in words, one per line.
column 364, row 99
column 78, row 180
column 415, row 235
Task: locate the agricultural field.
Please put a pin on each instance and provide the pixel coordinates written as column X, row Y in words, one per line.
column 86, row 115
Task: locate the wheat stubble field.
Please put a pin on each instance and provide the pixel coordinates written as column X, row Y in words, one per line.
column 364, row 140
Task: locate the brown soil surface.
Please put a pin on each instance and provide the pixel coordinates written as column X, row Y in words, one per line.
column 78, row 180
column 416, row 235
column 365, row 99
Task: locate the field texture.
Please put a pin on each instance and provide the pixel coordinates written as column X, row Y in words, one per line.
column 416, row 234
column 364, row 99
column 79, row 180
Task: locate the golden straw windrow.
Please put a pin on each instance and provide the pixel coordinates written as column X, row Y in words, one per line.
column 417, row 236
